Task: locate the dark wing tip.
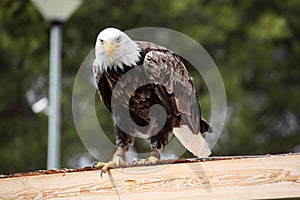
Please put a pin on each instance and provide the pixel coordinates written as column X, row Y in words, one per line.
column 210, row 129
column 205, row 126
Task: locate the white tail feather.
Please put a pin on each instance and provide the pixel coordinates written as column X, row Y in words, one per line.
column 192, row 142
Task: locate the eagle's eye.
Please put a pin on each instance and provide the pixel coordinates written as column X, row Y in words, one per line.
column 118, row 39
column 101, row 41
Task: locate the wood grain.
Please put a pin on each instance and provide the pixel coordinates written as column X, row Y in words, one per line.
column 248, row 178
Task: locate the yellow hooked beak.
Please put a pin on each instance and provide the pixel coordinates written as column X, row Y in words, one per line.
column 110, row 47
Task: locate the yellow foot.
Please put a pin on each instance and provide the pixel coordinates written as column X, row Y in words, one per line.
column 117, row 161
column 149, row 161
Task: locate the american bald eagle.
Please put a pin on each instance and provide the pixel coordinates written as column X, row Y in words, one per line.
column 169, row 85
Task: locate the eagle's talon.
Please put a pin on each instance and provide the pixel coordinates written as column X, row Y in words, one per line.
column 94, row 165
column 135, row 161
column 98, row 165
column 152, row 160
column 117, row 161
column 101, row 172
column 148, row 161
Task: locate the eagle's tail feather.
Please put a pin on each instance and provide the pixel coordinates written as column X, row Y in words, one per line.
column 195, row 143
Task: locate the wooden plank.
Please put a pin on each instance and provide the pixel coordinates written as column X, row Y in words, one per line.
column 249, row 178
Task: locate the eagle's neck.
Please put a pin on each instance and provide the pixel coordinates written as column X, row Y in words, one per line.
column 128, row 56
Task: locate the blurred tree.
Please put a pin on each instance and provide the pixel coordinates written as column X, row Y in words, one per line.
column 255, row 44
column 23, row 58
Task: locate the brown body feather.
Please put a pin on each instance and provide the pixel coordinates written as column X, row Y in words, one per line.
column 168, row 76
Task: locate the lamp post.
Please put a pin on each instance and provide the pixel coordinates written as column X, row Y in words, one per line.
column 56, row 12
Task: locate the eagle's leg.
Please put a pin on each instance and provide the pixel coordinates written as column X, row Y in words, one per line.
column 123, row 141
column 157, row 142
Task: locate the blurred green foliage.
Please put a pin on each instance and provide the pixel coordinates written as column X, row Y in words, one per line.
column 255, row 44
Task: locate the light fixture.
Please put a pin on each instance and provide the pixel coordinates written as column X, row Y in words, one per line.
column 56, row 12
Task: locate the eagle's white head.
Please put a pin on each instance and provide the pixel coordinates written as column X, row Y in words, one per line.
column 114, row 49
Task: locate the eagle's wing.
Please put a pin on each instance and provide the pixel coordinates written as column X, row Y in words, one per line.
column 166, row 69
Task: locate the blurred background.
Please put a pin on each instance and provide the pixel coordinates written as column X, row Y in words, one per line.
column 255, row 44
